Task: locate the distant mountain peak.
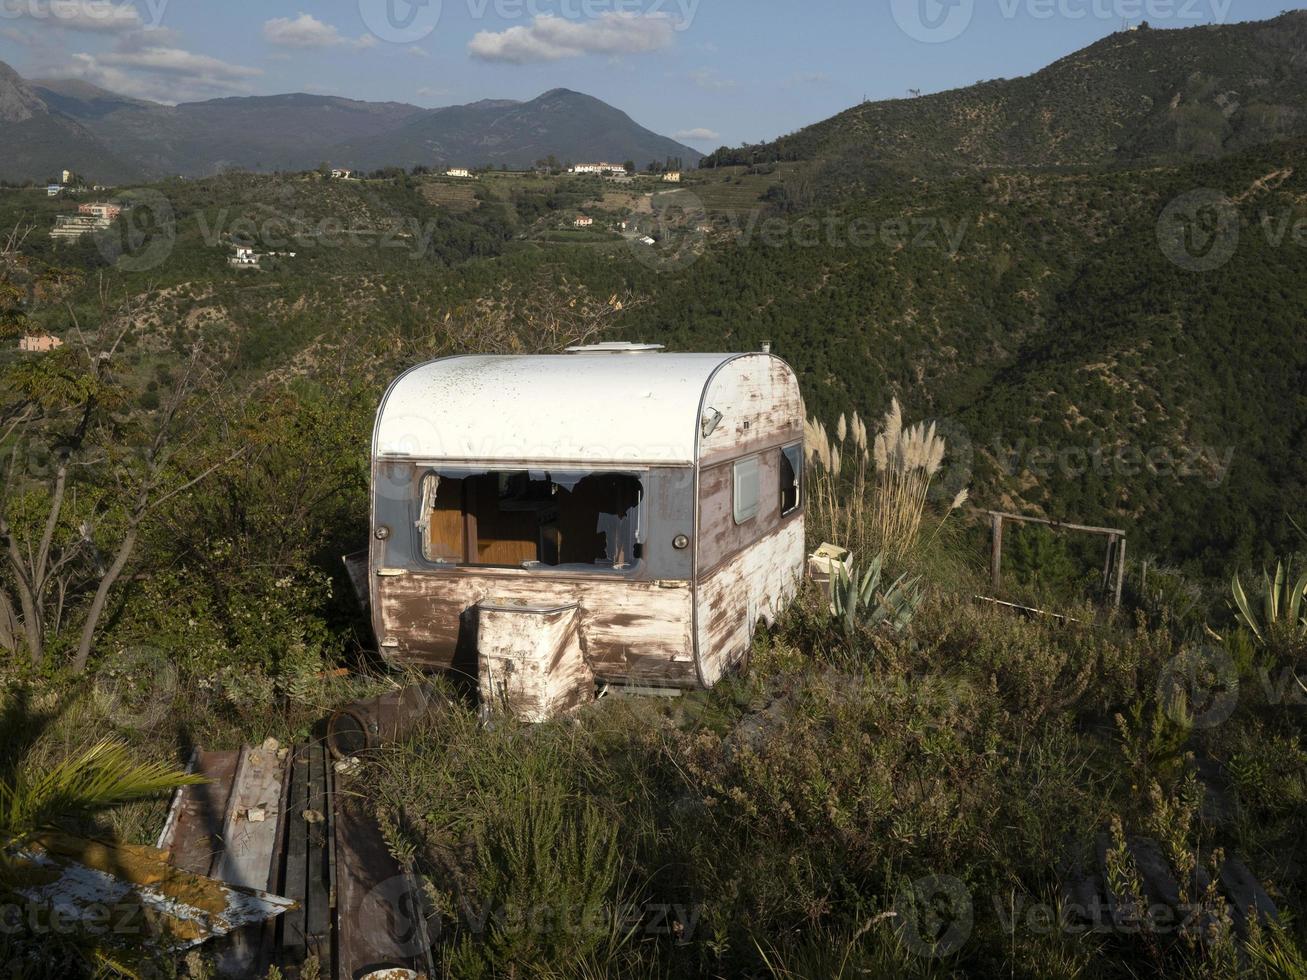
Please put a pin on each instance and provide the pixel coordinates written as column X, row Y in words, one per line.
column 18, row 102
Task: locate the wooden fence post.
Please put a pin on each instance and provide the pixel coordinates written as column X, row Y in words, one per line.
column 1120, row 572
column 996, row 555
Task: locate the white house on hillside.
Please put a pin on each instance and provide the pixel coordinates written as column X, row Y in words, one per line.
column 458, row 172
column 672, row 176
column 597, row 168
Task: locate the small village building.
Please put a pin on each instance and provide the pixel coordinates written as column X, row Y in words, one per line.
column 583, row 221
column 597, row 168
column 245, row 258
column 39, row 344
column 105, row 212
column 458, row 172
column 53, row 190
column 672, row 176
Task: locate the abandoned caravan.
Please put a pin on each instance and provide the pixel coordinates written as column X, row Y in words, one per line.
column 614, row 515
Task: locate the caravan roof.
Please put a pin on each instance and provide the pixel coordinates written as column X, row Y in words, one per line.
column 617, row 404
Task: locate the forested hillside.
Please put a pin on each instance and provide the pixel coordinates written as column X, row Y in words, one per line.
column 1093, row 375
column 1136, row 96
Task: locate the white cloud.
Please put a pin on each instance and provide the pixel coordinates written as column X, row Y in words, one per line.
column 307, row 32
column 96, row 16
column 426, row 92
column 175, row 61
column 551, row 38
column 698, row 135
column 807, row 78
column 416, row 52
column 708, row 80
column 162, row 74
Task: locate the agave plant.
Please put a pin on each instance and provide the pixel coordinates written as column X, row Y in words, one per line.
column 856, row 598
column 1281, row 602
column 102, row 776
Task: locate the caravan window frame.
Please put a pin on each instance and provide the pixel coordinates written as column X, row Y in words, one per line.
column 742, row 510
column 637, row 541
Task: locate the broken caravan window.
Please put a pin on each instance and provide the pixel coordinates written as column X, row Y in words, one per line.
column 570, row 520
column 791, row 473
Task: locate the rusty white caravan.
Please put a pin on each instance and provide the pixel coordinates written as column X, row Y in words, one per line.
column 614, row 514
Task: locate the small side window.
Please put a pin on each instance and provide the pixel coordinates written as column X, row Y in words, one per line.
column 746, row 489
column 791, row 470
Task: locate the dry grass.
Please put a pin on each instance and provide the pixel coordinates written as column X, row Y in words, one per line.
column 870, row 494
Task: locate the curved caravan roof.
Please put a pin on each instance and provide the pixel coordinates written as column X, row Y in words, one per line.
column 591, row 408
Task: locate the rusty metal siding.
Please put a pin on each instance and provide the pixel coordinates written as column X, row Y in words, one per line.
column 758, row 396
column 745, row 573
column 750, row 587
column 629, row 630
column 531, row 662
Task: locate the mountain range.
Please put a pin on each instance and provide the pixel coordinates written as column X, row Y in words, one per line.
column 54, row 124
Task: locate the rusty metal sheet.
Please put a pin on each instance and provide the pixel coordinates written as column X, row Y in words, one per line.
column 250, row 829
column 752, row 586
column 193, row 834
column 531, row 664
column 629, row 630
column 79, row 879
column 381, row 922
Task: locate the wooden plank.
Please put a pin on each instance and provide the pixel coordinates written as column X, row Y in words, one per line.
column 195, row 834
column 271, row 929
column 249, row 842
column 295, row 879
column 380, row 917
column 1120, row 571
column 167, row 835
column 250, row 830
column 1058, row 525
column 318, row 906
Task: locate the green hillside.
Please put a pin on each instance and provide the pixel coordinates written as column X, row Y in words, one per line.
column 1136, row 96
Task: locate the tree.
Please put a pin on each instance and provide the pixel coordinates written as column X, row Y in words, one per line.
column 82, row 474
column 630, row 166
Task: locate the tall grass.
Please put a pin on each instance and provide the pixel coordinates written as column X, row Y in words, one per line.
column 870, row 494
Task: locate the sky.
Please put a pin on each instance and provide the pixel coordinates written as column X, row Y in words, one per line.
column 707, row 72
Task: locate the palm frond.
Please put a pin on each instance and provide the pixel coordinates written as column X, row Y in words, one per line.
column 103, row 775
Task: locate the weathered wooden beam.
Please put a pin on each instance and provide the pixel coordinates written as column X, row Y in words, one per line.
column 996, row 551
column 380, row 920
column 295, row 880
column 249, row 844
column 318, row 886
column 1059, row 525
column 1120, row 570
